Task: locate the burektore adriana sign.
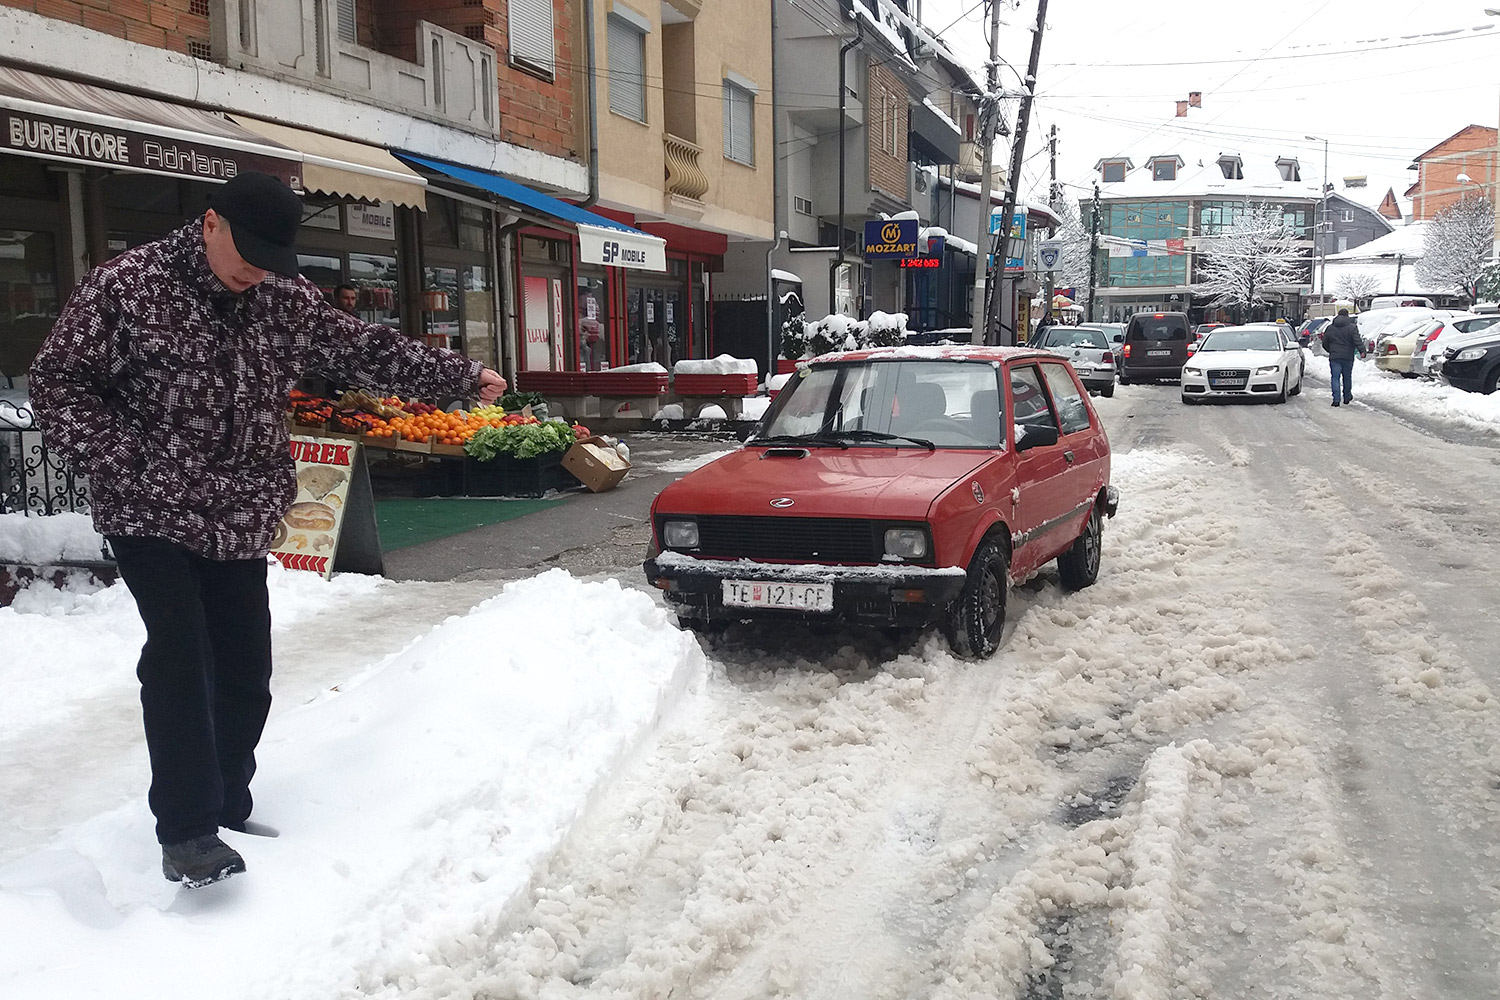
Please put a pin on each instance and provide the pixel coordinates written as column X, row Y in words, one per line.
column 889, row 239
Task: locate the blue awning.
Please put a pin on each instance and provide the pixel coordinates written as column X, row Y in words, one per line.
column 601, row 240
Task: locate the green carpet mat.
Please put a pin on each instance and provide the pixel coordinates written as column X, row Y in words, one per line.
column 406, row 522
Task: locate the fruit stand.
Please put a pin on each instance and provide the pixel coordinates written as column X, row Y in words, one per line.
column 485, row 451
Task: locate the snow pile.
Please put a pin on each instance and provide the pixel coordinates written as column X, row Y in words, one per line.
column 39, row 540
column 649, row 367
column 415, row 800
column 724, row 364
column 1424, row 399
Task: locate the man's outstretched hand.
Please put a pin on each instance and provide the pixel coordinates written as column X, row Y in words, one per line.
column 491, row 386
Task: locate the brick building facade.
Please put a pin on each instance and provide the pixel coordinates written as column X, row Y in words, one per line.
column 1471, row 152
column 887, row 114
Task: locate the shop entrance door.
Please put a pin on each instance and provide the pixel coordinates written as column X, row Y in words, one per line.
column 657, row 325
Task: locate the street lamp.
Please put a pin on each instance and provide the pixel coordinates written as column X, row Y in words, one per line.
column 1323, row 233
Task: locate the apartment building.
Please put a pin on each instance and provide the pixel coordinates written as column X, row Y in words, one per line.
column 1158, row 218
column 1462, row 165
column 422, row 134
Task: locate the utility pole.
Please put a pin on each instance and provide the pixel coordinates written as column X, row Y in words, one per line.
column 1093, row 251
column 1052, row 200
column 989, row 119
column 1013, row 179
column 1323, row 232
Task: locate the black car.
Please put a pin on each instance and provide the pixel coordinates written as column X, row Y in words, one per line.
column 1156, row 347
column 1474, row 367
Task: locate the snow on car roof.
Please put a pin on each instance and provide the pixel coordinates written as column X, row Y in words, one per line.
column 947, row 352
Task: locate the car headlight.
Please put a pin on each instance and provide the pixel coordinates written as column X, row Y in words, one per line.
column 1267, row 370
column 1192, row 371
column 680, row 534
column 1469, row 354
column 907, row 543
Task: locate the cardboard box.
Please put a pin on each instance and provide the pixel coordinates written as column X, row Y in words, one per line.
column 596, row 466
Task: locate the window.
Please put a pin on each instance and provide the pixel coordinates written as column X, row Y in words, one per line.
column 894, row 125
column 1114, row 172
column 1164, row 170
column 346, row 20
column 1346, row 215
column 532, row 41
column 802, row 206
column 739, row 123
column 1070, row 405
column 627, row 68
column 1343, row 244
column 1029, row 404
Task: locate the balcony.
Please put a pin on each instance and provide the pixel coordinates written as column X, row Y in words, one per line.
column 454, row 80
column 686, row 181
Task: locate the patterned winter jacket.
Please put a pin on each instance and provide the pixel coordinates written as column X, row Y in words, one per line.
column 169, row 391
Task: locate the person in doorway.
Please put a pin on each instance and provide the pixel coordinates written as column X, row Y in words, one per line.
column 165, row 380
column 1342, row 341
column 346, row 298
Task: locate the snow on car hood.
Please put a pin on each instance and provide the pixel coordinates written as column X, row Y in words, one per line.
column 898, row 483
column 1233, row 359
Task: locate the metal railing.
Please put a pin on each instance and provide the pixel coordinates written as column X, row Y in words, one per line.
column 33, row 478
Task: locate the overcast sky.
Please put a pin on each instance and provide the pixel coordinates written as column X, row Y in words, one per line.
column 1382, row 80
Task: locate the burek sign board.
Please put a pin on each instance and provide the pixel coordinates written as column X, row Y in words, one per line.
column 331, row 525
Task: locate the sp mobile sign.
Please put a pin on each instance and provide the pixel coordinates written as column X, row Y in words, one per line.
column 887, row 239
column 622, row 248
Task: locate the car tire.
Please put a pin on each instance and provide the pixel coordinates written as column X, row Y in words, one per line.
column 1280, row 397
column 1491, row 382
column 1189, row 400
column 1079, row 566
column 976, row 617
column 1107, row 391
column 1297, row 389
column 1124, row 380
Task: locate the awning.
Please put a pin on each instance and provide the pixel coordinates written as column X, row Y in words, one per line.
column 600, row 240
column 344, row 167
column 55, row 119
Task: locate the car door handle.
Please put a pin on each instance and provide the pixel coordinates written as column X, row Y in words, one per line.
column 1069, row 456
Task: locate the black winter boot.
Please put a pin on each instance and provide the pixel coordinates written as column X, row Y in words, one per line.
column 200, row 861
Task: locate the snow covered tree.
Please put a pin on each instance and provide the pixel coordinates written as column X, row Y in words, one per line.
column 1457, row 246
column 1249, row 257
column 1074, row 272
column 1356, row 286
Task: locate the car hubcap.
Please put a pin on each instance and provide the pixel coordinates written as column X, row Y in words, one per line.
column 989, row 600
column 1091, row 543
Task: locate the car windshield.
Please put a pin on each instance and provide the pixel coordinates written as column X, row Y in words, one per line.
column 1242, row 340
column 1074, row 336
column 898, row 403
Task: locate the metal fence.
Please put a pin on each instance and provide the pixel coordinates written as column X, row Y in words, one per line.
column 34, row 479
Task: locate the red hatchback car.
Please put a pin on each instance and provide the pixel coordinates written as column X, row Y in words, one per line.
column 894, row 487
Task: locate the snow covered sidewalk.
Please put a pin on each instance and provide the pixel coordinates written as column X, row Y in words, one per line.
column 1420, row 398
column 414, row 799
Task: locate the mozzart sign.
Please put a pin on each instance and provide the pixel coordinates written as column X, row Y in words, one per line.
column 622, row 248
column 51, row 138
column 890, row 238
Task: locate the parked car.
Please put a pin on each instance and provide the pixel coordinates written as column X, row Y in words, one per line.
column 1116, row 334
column 1156, row 345
column 1458, row 333
column 1244, row 361
column 1394, row 346
column 1085, row 346
column 1310, row 333
column 894, row 487
column 1376, row 322
column 1475, row 365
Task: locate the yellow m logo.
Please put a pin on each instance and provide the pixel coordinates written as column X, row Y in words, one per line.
column 890, row 232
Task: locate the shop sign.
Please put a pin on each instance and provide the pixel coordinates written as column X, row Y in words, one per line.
column 331, row 526
column 618, row 248
column 84, row 142
column 1017, row 239
column 890, row 239
column 538, row 323
column 375, row 221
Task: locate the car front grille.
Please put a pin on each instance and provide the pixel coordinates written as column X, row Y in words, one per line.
column 811, row 539
column 1229, row 378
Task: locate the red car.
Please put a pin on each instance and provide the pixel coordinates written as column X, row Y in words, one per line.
column 894, row 487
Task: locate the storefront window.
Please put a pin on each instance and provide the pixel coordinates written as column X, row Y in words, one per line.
column 440, row 300
column 593, row 319
column 325, row 272
column 440, row 223
column 374, row 275
column 473, row 228
column 479, row 316
column 28, row 296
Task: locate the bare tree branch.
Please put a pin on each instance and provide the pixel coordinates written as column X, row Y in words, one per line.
column 1457, row 246
column 1243, row 262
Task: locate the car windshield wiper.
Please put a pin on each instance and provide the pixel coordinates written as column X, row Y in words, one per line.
column 826, row 440
column 867, row 435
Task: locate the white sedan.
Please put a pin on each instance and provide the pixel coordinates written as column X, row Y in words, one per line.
column 1240, row 361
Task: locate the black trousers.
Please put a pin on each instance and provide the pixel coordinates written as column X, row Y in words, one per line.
column 205, row 675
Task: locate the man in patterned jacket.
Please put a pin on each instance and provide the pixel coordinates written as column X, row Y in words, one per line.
column 165, row 381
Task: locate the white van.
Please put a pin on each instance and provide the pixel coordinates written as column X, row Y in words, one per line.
column 1396, row 301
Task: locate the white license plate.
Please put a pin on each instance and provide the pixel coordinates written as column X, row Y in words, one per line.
column 1158, row 354
column 1228, row 383
column 769, row 594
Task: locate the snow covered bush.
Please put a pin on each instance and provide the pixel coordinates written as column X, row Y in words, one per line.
column 794, row 337
column 885, row 330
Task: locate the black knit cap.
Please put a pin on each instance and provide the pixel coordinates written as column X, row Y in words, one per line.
column 264, row 215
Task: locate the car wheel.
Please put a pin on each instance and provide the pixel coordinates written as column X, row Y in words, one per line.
column 976, row 617
column 1107, row 391
column 1124, row 380
column 1297, row 389
column 1079, row 566
column 1189, row 400
column 1281, row 396
column 1491, row 381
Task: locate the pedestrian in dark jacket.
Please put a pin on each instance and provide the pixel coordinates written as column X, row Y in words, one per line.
column 1342, row 341
column 165, row 380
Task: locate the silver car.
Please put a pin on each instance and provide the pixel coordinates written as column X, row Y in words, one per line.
column 1087, row 346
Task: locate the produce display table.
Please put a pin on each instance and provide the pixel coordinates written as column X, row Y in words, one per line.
column 727, row 390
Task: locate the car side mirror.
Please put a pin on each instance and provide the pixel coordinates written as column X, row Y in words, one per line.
column 1030, row 436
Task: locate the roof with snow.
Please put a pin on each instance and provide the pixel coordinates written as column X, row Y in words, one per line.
column 1200, row 177
column 1404, row 240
